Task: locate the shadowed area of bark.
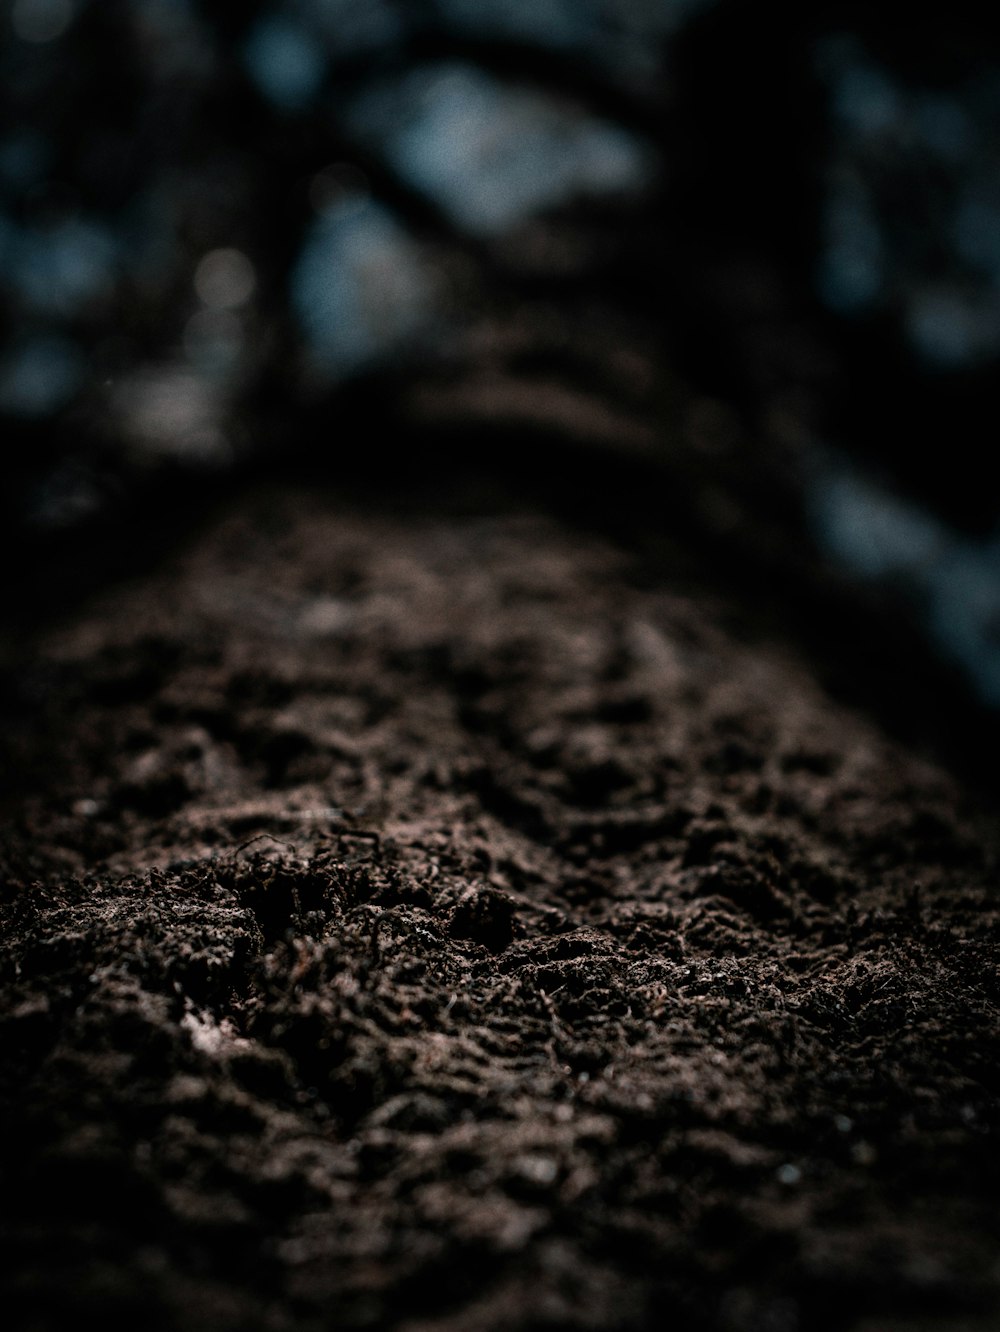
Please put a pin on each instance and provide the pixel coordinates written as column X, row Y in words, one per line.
column 441, row 917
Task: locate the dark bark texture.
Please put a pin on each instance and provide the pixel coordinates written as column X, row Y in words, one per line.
column 439, row 916
column 486, row 869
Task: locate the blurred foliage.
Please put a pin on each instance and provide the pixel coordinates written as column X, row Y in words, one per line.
column 216, row 221
column 197, row 197
column 217, row 193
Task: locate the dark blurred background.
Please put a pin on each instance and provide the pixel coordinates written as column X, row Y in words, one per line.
column 750, row 251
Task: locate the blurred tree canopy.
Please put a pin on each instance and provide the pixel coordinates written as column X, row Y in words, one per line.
column 228, row 231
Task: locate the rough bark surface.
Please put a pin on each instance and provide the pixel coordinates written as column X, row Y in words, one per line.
column 433, row 921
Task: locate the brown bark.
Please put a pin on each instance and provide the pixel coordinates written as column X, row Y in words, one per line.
column 439, row 919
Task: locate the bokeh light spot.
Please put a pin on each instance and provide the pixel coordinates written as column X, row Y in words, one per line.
column 950, row 329
column 41, row 20
column 285, row 62
column 39, row 377
column 491, row 155
column 225, row 279
column 361, row 288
